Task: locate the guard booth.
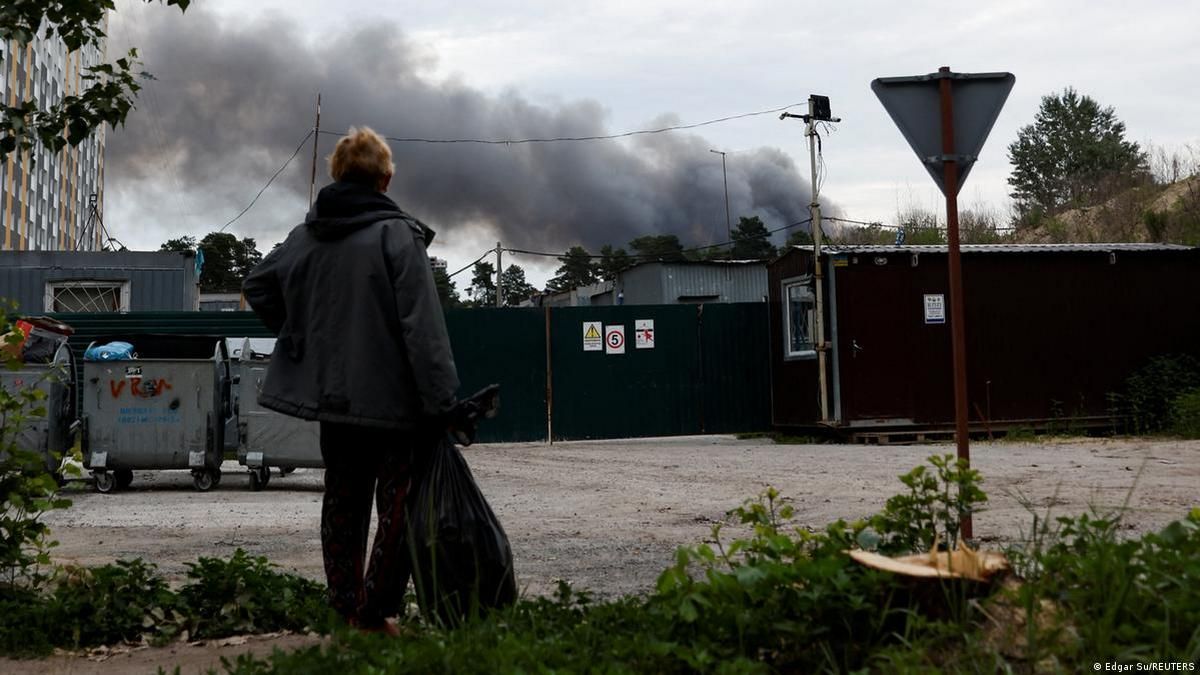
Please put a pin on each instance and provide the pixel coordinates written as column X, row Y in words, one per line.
column 47, row 435
column 169, row 407
column 266, row 438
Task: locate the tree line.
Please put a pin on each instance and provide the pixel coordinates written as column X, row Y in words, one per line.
column 750, row 240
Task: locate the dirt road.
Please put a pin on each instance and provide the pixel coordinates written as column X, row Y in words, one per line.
column 602, row 515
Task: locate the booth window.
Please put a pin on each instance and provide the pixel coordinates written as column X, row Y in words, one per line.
column 87, row 296
column 799, row 318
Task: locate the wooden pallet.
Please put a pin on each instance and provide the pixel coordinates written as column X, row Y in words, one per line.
column 902, row 436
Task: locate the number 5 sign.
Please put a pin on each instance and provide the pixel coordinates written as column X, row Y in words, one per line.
column 614, row 339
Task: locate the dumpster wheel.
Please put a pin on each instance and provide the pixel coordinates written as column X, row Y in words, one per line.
column 206, row 479
column 259, row 477
column 105, row 482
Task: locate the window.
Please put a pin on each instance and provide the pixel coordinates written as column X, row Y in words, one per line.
column 799, row 317
column 87, row 296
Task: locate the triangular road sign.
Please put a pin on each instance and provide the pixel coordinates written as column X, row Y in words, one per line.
column 914, row 104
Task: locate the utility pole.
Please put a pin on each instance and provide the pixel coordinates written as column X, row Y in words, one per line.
column 499, row 286
column 312, row 182
column 725, row 178
column 818, row 111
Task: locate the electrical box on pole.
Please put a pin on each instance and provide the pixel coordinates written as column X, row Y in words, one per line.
column 818, row 111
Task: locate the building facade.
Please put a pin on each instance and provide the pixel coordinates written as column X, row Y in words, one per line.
column 100, row 281
column 50, row 201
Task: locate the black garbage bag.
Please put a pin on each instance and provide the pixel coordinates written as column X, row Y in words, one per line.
column 462, row 561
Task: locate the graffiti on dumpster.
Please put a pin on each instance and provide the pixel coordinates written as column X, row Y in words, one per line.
column 148, row 415
column 138, row 387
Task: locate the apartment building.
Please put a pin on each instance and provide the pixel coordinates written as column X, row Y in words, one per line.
column 50, row 201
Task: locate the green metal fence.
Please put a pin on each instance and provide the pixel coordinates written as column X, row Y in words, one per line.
column 703, row 369
column 506, row 347
column 735, row 367
column 641, row 392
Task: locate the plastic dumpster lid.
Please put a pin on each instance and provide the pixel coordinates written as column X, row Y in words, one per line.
column 259, row 347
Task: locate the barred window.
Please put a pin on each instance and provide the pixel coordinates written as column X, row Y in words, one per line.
column 87, row 296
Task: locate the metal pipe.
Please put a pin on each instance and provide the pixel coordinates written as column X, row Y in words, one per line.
column 957, row 327
column 818, row 275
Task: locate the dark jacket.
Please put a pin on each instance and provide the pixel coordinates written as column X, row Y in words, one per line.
column 351, row 295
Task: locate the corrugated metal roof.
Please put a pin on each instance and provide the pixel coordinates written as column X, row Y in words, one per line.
column 1006, row 248
column 697, row 263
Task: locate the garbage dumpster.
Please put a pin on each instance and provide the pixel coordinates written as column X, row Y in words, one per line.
column 48, row 435
column 169, row 407
column 267, row 438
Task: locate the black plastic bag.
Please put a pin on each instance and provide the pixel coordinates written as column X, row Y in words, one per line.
column 462, row 561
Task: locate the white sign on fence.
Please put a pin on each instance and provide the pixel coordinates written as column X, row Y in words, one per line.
column 614, row 339
column 593, row 341
column 644, row 333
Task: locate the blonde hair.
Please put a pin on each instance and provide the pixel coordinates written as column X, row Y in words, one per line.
column 361, row 156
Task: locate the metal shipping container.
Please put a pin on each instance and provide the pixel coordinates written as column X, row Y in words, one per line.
column 1051, row 332
column 100, row 281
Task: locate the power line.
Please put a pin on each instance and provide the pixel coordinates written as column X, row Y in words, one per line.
column 557, row 139
column 272, row 180
column 469, row 266
column 645, row 256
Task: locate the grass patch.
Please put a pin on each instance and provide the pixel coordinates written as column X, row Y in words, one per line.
column 128, row 602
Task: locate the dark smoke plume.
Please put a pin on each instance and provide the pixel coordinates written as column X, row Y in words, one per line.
column 231, row 101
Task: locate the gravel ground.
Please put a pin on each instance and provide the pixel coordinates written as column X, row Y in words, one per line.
column 608, row 515
column 602, row 515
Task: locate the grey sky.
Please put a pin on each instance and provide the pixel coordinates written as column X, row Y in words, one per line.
column 237, row 83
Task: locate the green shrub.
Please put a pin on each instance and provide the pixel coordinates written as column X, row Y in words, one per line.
column 121, row 602
column 27, row 488
column 129, row 602
column 934, row 507
column 1151, row 391
column 1120, row 600
column 1185, row 414
column 244, row 594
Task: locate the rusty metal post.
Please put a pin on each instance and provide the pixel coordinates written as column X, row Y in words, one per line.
column 957, row 327
column 549, row 384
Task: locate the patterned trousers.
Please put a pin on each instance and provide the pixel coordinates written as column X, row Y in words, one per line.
column 361, row 462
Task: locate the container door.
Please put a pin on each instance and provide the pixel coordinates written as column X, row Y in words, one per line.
column 876, row 359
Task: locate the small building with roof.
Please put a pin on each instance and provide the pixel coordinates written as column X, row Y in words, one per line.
column 685, row 282
column 1052, row 332
column 100, row 281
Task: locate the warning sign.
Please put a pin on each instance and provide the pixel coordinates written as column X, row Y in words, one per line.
column 935, row 308
column 593, row 341
column 614, row 339
column 644, row 333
